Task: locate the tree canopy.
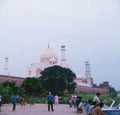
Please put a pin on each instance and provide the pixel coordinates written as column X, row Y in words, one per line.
column 57, row 79
column 7, row 89
column 32, row 86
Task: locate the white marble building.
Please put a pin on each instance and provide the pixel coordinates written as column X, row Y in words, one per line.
column 49, row 58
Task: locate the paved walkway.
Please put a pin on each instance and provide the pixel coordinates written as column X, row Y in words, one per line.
column 37, row 109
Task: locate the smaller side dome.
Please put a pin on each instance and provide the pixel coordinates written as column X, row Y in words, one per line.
column 53, row 61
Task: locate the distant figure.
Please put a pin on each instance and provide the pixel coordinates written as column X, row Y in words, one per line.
column 79, row 104
column 74, row 101
column 50, row 101
column 96, row 98
column 13, row 99
column 97, row 110
column 0, row 102
column 56, row 100
column 88, row 105
column 92, row 106
column 70, row 100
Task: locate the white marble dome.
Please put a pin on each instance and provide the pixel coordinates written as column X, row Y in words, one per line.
column 48, row 54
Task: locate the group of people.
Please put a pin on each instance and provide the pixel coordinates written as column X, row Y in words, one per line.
column 52, row 100
column 92, row 107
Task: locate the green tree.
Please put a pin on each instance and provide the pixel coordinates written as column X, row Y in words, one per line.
column 8, row 88
column 71, row 87
column 113, row 92
column 13, row 88
column 32, row 86
column 56, row 79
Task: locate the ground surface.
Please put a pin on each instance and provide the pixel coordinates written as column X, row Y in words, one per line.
column 37, row 109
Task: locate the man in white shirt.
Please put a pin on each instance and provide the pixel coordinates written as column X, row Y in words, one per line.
column 96, row 98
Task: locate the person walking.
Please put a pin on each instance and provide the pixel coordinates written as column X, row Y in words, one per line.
column 79, row 104
column 0, row 102
column 50, row 98
column 13, row 99
column 56, row 100
column 70, row 100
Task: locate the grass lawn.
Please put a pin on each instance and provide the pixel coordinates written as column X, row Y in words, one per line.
column 64, row 99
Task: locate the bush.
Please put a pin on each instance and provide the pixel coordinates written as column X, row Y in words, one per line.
column 64, row 99
column 36, row 100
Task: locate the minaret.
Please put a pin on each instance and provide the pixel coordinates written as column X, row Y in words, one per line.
column 88, row 73
column 48, row 46
column 6, row 66
column 63, row 56
column 87, row 68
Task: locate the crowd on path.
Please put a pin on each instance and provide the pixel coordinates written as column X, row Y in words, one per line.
column 90, row 107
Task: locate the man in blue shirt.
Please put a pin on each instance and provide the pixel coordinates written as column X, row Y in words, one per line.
column 50, row 101
column 13, row 99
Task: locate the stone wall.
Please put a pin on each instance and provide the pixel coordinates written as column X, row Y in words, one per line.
column 18, row 80
column 85, row 89
column 81, row 89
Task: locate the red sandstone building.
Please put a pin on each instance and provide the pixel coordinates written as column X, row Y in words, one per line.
column 17, row 80
column 82, row 89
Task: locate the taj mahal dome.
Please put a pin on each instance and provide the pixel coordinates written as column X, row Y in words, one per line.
column 49, row 58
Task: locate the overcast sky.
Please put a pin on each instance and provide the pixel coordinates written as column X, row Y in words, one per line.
column 90, row 29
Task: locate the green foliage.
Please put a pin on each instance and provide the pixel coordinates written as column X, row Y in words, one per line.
column 56, row 79
column 71, row 87
column 64, row 99
column 113, row 92
column 56, row 82
column 32, row 99
column 117, row 100
column 86, row 97
column 7, row 90
column 6, row 95
column 32, row 86
column 36, row 99
column 11, row 86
